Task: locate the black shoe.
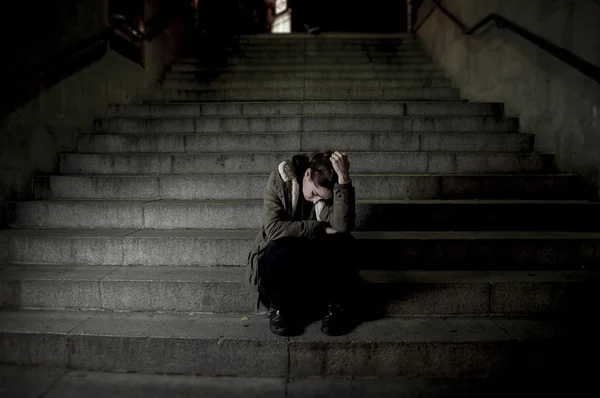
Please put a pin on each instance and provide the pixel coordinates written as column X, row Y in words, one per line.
column 279, row 322
column 337, row 320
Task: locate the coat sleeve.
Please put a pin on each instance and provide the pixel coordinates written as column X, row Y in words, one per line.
column 341, row 214
column 277, row 222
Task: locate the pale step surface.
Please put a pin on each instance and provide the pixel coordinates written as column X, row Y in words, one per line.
column 295, row 141
column 227, row 74
column 230, row 345
column 309, row 94
column 307, row 67
column 307, row 54
column 222, row 290
column 309, row 60
column 503, row 250
column 301, row 83
column 372, row 108
column 200, row 186
column 279, row 124
column 32, row 382
column 263, row 162
column 370, row 214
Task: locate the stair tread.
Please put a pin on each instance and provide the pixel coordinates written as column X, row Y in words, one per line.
column 420, row 175
column 349, row 133
column 251, row 234
column 334, row 116
column 292, row 153
column 400, row 103
column 170, row 274
column 407, row 202
column 222, row 327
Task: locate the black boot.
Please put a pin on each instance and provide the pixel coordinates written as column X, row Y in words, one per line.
column 337, row 320
column 280, row 322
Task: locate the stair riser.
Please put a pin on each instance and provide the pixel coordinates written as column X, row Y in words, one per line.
column 362, row 162
column 227, row 75
column 311, row 94
column 373, row 217
column 329, row 54
column 391, row 48
column 252, row 186
column 296, row 359
column 257, row 124
column 398, row 299
column 310, row 67
column 374, row 108
column 469, row 142
column 361, row 60
column 297, row 83
column 377, row 254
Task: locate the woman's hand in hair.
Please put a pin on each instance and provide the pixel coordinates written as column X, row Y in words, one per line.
column 341, row 165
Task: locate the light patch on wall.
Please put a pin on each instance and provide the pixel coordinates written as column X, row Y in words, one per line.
column 283, row 23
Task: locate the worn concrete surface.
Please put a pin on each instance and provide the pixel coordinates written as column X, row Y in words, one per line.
column 506, row 250
column 378, row 215
column 385, row 108
column 221, row 290
column 230, row 345
column 30, row 382
column 285, row 124
column 250, row 186
column 310, row 94
column 293, row 141
column 262, row 162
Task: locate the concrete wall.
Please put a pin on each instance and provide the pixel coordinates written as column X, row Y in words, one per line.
column 31, row 136
column 553, row 100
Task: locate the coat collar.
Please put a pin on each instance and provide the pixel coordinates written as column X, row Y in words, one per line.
column 288, row 175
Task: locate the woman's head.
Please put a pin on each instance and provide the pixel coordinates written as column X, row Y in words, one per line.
column 320, row 177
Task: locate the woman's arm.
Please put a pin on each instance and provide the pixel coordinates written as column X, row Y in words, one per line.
column 276, row 221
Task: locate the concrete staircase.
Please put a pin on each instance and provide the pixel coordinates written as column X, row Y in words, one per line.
column 480, row 258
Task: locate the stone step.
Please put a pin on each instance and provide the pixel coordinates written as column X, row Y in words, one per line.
column 342, row 108
column 285, row 124
column 420, row 250
column 313, row 42
column 320, row 48
column 226, row 74
column 323, row 59
column 301, row 83
column 242, row 142
column 60, row 383
column 302, row 52
column 221, row 290
column 328, row 37
column 251, row 186
column 227, row 345
column 265, row 162
column 388, row 215
column 311, row 94
column 311, row 67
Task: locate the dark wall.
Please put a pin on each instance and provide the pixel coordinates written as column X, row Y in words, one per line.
column 34, row 131
column 35, row 29
column 379, row 16
column 553, row 100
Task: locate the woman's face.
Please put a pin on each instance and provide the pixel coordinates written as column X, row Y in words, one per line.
column 311, row 192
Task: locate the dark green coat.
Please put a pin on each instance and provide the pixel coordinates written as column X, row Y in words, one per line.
column 281, row 196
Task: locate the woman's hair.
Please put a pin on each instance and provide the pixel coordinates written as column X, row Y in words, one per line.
column 322, row 172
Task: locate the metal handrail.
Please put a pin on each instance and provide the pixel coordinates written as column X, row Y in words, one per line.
column 585, row 67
